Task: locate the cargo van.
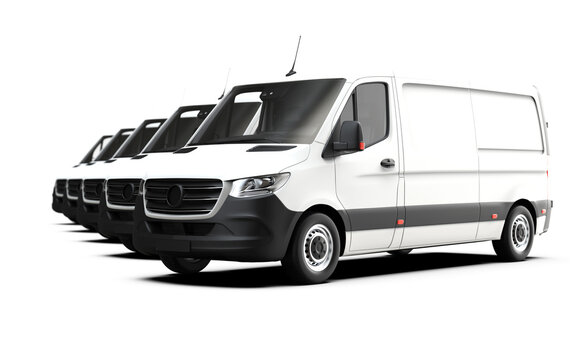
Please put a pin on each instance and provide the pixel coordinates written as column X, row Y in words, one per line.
column 91, row 187
column 308, row 171
column 73, row 178
column 116, row 205
column 58, row 193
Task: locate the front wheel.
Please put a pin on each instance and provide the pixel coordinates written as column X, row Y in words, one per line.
column 517, row 237
column 314, row 250
column 186, row 266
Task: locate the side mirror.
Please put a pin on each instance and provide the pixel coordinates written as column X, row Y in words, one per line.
column 350, row 137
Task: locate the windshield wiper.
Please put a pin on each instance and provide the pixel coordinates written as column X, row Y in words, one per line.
column 240, row 140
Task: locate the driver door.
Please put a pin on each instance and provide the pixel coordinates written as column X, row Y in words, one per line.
column 367, row 181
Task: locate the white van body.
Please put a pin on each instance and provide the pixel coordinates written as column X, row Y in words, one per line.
column 463, row 155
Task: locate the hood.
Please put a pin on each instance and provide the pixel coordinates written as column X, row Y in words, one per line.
column 120, row 168
column 225, row 161
column 75, row 172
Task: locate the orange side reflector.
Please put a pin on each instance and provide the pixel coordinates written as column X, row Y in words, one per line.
column 543, row 211
column 361, row 145
column 494, row 216
column 400, row 221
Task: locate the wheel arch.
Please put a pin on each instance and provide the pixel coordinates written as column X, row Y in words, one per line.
column 340, row 220
column 531, row 209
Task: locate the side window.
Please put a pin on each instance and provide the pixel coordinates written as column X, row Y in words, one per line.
column 369, row 105
column 372, row 112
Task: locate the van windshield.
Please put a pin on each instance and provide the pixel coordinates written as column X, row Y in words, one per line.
column 287, row 112
column 140, row 137
column 114, row 144
column 178, row 129
column 96, row 149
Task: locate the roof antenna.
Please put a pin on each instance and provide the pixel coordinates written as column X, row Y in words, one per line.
column 226, row 85
column 292, row 71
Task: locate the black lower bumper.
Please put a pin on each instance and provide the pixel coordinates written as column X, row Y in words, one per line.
column 87, row 214
column 549, row 206
column 114, row 223
column 56, row 202
column 254, row 229
column 69, row 208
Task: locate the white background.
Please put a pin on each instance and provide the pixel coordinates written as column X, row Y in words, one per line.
column 71, row 71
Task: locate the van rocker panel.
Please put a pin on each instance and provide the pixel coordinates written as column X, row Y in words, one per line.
column 244, row 229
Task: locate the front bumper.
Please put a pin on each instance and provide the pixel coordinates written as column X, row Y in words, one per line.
column 69, row 208
column 87, row 214
column 114, row 223
column 249, row 229
column 57, row 202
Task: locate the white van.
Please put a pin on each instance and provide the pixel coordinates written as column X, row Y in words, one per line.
column 74, row 175
column 122, row 180
column 308, row 171
column 59, row 188
column 93, row 177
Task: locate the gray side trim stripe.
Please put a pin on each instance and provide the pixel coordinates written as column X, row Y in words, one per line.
column 441, row 214
column 424, row 215
column 375, row 218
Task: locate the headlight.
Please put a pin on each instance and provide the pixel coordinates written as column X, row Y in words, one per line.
column 260, row 185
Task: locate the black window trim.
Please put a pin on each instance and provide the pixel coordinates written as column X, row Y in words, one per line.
column 328, row 151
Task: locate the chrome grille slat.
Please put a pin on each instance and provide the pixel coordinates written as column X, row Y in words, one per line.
column 115, row 191
column 60, row 187
column 73, row 188
column 199, row 196
column 92, row 189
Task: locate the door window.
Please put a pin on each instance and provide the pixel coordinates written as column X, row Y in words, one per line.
column 369, row 105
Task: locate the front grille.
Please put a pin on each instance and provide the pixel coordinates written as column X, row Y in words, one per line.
column 73, row 187
column 60, row 187
column 123, row 192
column 182, row 196
column 92, row 189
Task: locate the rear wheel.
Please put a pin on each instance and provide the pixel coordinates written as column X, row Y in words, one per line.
column 186, row 266
column 314, row 250
column 517, row 237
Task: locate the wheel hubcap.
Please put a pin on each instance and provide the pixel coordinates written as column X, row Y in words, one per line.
column 520, row 233
column 318, row 247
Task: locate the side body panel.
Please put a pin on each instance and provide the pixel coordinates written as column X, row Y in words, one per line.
column 441, row 165
column 513, row 157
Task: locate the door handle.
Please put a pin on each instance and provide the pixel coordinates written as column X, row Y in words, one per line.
column 388, row 163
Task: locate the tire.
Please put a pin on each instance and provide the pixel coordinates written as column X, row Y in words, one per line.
column 186, row 266
column 314, row 250
column 402, row 252
column 517, row 237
